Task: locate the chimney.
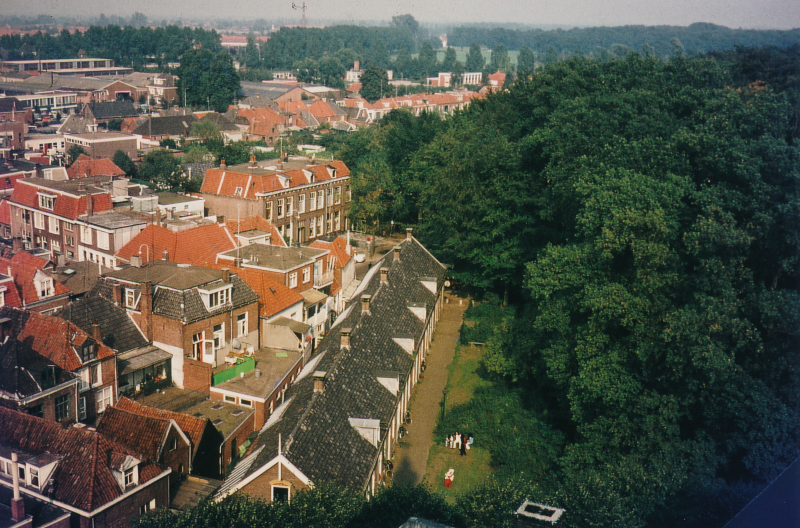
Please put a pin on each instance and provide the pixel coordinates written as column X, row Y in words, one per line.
column 221, row 219
column 170, row 213
column 226, row 275
column 39, row 171
column 253, row 163
column 136, row 261
column 158, row 216
column 17, row 503
column 365, row 299
column 344, row 337
column 396, row 253
column 257, row 373
column 89, row 205
column 356, row 65
column 146, row 308
column 61, row 263
column 97, row 334
column 116, row 292
column 222, row 164
column 384, row 275
column 319, row 380
column 237, row 262
column 408, row 233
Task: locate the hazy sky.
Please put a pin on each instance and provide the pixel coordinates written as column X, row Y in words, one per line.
column 778, row 14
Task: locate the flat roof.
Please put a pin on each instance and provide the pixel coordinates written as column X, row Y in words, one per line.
column 141, row 358
column 273, row 365
column 114, row 220
column 275, row 257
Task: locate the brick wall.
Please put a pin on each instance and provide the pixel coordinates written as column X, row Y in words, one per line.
column 178, row 459
column 196, row 375
column 236, row 439
column 120, row 515
column 261, row 486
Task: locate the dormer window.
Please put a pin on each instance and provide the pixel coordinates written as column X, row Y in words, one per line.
column 47, row 201
column 217, row 298
column 130, row 298
column 238, row 191
column 88, row 352
column 45, row 288
column 33, row 473
column 129, row 477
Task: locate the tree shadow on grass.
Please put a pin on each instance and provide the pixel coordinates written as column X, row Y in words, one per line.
column 404, row 474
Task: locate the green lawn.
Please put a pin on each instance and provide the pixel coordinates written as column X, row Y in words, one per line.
column 463, row 380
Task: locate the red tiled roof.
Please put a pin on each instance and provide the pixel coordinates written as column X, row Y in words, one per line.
column 338, row 249
column 83, row 477
column 52, row 337
column 196, row 246
column 191, row 426
column 142, row 434
column 292, row 107
column 256, row 222
column 85, row 166
column 274, row 296
column 265, row 115
column 355, row 87
column 321, row 109
column 9, row 180
column 69, row 206
column 22, row 267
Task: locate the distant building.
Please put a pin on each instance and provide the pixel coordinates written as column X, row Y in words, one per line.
column 84, row 66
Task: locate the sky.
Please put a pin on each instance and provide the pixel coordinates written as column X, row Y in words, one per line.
column 761, row 14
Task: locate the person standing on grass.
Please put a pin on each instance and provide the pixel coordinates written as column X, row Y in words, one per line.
column 463, row 445
column 448, row 477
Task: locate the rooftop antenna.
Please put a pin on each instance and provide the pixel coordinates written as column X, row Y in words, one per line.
column 303, row 8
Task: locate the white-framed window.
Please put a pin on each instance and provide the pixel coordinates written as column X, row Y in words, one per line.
column 218, row 298
column 281, row 494
column 69, row 239
column 306, row 274
column 293, row 279
column 312, row 201
column 57, row 246
column 328, row 224
column 173, row 444
column 144, row 508
column 67, row 226
column 88, row 353
column 62, row 407
column 102, row 240
column 320, row 199
column 320, row 232
column 347, row 193
column 246, row 403
column 38, row 220
column 129, row 477
column 33, row 474
column 280, row 207
column 238, row 191
column 54, row 225
column 197, row 345
column 82, row 407
column 330, row 195
column 312, row 232
column 268, row 211
column 86, row 234
column 301, row 203
column 45, row 288
column 103, row 399
column 130, row 298
column 47, row 201
column 289, row 206
column 241, row 324
column 337, row 195
column 219, row 336
column 230, row 399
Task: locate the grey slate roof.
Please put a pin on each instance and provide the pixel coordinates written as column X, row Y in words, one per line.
column 220, row 120
column 117, row 329
column 180, row 125
column 9, row 104
column 111, row 109
column 175, row 286
column 315, row 427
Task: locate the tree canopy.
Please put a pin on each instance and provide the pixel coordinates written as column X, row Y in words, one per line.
column 374, row 83
column 207, row 79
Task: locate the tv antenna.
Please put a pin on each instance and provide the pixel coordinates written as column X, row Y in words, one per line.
column 303, row 8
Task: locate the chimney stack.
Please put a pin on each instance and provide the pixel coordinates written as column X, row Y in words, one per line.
column 165, row 255
column 226, row 275
column 253, row 163
column 384, row 275
column 221, row 219
column 17, row 503
column 408, row 233
column 237, row 262
column 116, row 293
column 365, row 299
column 222, row 164
column 319, row 380
column 344, row 337
column 146, row 309
column 89, row 205
column 97, row 334
column 356, row 66
column 61, row 263
column 396, row 254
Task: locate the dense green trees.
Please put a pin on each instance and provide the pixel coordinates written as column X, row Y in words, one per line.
column 207, row 79
column 643, row 216
column 475, row 60
column 124, row 162
column 374, row 83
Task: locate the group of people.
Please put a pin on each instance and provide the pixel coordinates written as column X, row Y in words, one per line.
column 459, row 441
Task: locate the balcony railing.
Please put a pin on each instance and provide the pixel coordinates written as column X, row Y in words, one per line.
column 323, row 279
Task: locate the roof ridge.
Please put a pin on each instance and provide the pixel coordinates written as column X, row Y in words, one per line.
column 96, row 442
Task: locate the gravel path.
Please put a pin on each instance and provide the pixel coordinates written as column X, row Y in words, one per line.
column 411, row 459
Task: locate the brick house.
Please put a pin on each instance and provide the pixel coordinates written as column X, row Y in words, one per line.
column 341, row 261
column 26, row 284
column 31, row 383
column 104, row 111
column 304, row 200
column 205, row 440
column 172, row 127
column 74, row 218
column 12, row 135
column 155, row 438
column 122, row 91
column 196, row 246
column 72, row 350
column 85, row 166
column 103, row 144
column 191, row 312
column 340, row 418
column 54, row 462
